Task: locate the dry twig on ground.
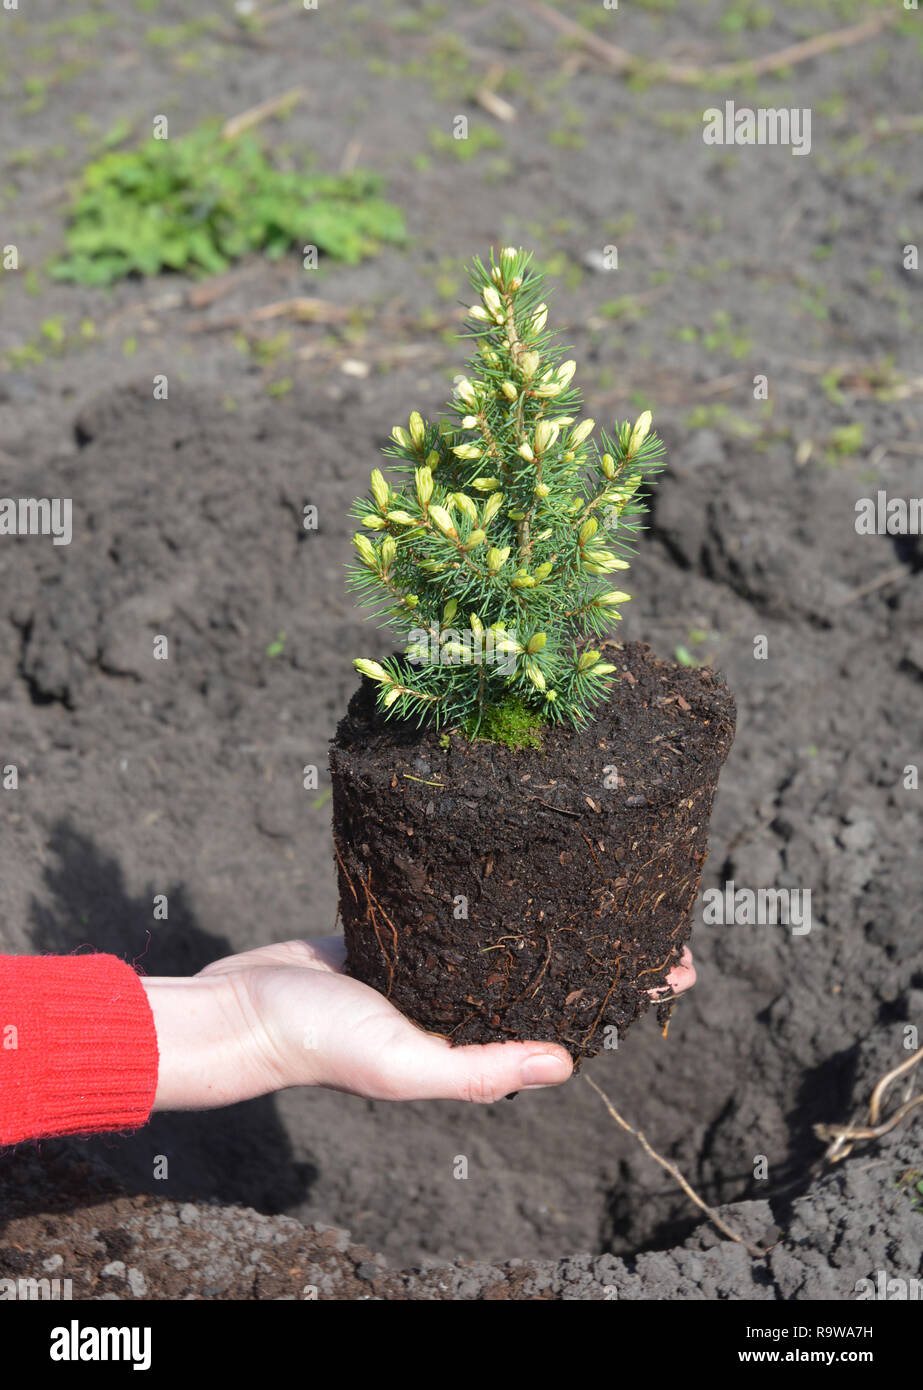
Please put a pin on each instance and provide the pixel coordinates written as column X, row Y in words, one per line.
column 255, row 115
column 689, row 74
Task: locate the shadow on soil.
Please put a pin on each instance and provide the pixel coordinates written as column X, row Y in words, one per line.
column 237, row 1155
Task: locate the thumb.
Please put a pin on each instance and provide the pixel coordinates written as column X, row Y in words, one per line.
column 430, row 1069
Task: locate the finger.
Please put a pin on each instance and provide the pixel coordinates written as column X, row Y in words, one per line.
column 679, row 979
column 428, row 1068
column 682, row 976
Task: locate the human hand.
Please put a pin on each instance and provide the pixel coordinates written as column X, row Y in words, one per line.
column 285, row 1015
column 678, row 980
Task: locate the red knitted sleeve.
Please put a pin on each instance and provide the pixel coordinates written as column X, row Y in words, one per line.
column 78, row 1048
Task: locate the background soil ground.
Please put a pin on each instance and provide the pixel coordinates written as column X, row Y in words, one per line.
column 185, row 778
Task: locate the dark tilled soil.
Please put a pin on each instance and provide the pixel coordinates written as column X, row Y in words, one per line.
column 850, row 1234
column 186, row 777
column 493, row 893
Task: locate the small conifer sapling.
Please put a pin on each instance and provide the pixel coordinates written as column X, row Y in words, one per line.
column 499, row 554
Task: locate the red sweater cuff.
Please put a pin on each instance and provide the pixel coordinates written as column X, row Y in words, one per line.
column 78, row 1047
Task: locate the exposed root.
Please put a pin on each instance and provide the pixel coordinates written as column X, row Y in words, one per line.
column 843, row 1137
column 370, row 915
column 654, row 968
column 543, row 969
column 602, row 1007
column 879, row 1092
column 345, row 873
column 590, row 848
column 373, row 903
column 755, row 1250
column 669, row 1005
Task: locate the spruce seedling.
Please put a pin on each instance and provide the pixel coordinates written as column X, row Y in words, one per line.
column 496, row 557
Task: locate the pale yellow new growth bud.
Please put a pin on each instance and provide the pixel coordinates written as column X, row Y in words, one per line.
column 388, row 550
column 604, row 669
column 536, row 643
column 432, row 458
column 400, row 437
column 492, row 299
column 417, row 428
column 587, row 660
column 476, row 538
column 467, row 451
column 424, row 481
column 372, row 670
column 535, row 675
column 523, row 581
column 543, row 490
column 484, row 484
column 539, row 319
column 602, row 560
column 515, row 284
column 525, row 452
column 469, row 422
column 366, row 550
column 565, row 372
column 587, row 530
column 448, row 613
column 443, row 520
column 390, row 697
column 491, row 507
column 639, row 433
column 582, row 432
column 478, row 312
column 496, row 559
column 465, row 504
column 507, row 256
column 477, row 627
column 509, row 390
column 546, row 433
column 465, row 392
column 607, row 464
column 373, row 522
column 402, row 518
column 529, row 364
column 380, row 490
column 543, row 571
column 613, row 596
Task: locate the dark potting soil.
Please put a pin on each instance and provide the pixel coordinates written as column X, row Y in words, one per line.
column 495, row 894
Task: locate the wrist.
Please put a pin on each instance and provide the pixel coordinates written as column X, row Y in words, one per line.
column 207, row 1057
